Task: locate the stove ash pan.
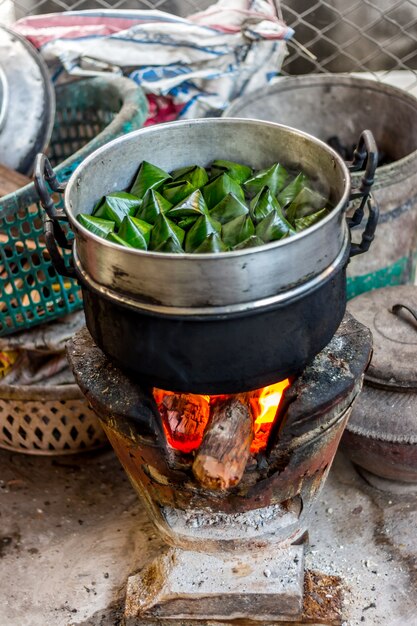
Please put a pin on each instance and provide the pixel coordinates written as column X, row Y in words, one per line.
column 278, row 486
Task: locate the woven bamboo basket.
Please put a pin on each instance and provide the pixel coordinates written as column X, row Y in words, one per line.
column 47, row 420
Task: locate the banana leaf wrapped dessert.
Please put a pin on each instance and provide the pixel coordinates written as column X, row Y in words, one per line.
column 136, row 232
column 228, row 209
column 164, row 229
column 238, row 230
column 223, row 207
column 194, row 174
column 152, row 205
column 240, row 173
column 193, row 206
column 97, row 225
column 203, row 228
column 148, row 177
column 273, row 177
column 219, row 187
column 116, row 206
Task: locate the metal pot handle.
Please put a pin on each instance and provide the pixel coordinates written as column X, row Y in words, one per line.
column 44, row 179
column 365, row 150
column 396, row 309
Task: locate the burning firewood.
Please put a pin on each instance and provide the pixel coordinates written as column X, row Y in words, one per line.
column 221, row 459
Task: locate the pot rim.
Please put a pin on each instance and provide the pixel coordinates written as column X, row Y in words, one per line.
column 214, row 312
column 339, row 207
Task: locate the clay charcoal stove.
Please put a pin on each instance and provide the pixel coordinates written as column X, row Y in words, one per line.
column 218, row 377
column 229, row 482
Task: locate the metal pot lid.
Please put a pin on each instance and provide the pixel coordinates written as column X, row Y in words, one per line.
column 27, row 102
column 391, row 314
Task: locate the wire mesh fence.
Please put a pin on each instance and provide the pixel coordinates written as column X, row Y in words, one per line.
column 376, row 36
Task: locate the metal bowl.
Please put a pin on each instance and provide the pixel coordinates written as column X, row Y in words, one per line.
column 27, row 102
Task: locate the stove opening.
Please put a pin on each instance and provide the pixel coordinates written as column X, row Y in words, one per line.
column 185, row 416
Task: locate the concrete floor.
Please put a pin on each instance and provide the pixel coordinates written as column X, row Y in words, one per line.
column 72, row 530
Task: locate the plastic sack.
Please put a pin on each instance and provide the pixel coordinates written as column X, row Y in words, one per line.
column 188, row 67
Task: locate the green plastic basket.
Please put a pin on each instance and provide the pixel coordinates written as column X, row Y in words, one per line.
column 89, row 113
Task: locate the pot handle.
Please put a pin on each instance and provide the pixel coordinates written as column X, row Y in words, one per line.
column 397, row 308
column 44, row 179
column 365, row 150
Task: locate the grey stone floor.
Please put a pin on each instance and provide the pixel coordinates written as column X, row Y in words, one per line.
column 72, row 530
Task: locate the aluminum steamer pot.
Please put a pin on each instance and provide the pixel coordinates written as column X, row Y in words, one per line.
column 212, row 323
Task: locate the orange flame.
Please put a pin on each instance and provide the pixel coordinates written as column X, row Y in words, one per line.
column 185, row 416
column 265, row 404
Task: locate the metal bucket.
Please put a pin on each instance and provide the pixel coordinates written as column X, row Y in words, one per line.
column 329, row 105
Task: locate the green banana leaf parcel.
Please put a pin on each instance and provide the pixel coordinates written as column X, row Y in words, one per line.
column 222, row 207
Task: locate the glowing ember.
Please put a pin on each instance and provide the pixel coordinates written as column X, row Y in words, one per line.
column 185, row 416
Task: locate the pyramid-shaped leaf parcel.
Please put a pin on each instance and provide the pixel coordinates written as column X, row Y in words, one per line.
column 153, row 204
column 165, row 229
column 203, row 227
column 177, row 190
column 251, row 242
column 237, row 171
column 219, row 187
column 136, row 232
column 192, row 206
column 237, row 230
column 195, row 175
column 170, row 245
column 212, row 243
column 289, row 192
column 306, row 202
column 96, row 225
column 274, row 227
column 228, row 209
column 263, row 204
column 115, row 238
column 272, row 177
column 148, row 177
column 304, row 222
column 116, row 205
